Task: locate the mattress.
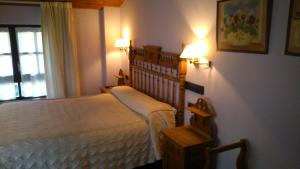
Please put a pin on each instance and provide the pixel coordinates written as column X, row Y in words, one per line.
column 88, row 132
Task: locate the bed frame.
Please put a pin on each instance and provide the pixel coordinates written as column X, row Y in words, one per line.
column 160, row 75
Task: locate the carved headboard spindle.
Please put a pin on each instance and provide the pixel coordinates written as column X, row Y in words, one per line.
column 160, row 75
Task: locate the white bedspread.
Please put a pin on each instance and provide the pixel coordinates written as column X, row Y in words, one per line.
column 159, row 115
column 88, row 132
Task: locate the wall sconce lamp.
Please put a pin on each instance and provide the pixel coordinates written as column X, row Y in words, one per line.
column 196, row 53
column 122, row 44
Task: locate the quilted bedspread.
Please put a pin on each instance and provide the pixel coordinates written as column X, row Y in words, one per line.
column 96, row 132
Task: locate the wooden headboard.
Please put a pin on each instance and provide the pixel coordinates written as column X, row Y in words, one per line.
column 160, row 75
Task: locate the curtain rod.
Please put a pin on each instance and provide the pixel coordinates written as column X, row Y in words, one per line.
column 28, row 3
column 20, row 3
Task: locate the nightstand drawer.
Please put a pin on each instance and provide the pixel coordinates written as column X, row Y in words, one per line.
column 173, row 156
column 183, row 148
column 194, row 158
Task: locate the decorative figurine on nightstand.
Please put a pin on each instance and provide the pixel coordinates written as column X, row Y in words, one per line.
column 201, row 120
column 121, row 78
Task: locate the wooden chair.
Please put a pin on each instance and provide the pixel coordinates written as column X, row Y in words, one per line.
column 211, row 153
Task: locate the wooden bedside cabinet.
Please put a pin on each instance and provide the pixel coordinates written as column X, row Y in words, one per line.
column 106, row 89
column 183, row 148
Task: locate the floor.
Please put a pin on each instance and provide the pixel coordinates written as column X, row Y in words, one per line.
column 156, row 165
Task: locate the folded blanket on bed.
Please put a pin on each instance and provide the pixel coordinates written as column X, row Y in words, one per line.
column 158, row 114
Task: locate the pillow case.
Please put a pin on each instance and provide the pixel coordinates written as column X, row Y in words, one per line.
column 139, row 102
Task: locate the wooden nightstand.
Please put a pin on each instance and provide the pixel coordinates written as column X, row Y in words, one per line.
column 106, row 89
column 183, row 148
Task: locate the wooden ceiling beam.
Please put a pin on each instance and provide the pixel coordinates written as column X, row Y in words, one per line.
column 91, row 4
column 96, row 4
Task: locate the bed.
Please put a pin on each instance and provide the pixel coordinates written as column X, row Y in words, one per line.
column 107, row 131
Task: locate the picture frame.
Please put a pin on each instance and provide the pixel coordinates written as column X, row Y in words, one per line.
column 292, row 46
column 244, row 25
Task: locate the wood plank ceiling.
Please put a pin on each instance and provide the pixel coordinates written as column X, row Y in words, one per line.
column 93, row 4
column 96, row 4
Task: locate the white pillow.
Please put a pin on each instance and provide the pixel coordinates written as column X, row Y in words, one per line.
column 139, row 102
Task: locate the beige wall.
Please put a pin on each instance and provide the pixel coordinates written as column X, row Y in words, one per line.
column 97, row 31
column 112, row 54
column 255, row 96
column 88, row 34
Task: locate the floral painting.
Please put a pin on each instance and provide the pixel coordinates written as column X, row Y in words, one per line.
column 293, row 37
column 243, row 25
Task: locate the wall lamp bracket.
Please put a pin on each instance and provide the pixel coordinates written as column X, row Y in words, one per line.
column 196, row 61
column 195, row 54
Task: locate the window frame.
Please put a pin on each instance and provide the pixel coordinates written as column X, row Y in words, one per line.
column 16, row 58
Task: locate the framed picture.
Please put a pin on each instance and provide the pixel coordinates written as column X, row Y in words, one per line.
column 293, row 33
column 244, row 25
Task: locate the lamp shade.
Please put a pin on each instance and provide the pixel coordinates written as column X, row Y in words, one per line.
column 196, row 50
column 197, row 54
column 120, row 43
column 189, row 52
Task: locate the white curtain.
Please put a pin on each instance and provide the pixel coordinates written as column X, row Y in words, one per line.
column 60, row 51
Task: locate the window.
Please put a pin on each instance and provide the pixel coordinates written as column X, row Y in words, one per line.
column 22, row 72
